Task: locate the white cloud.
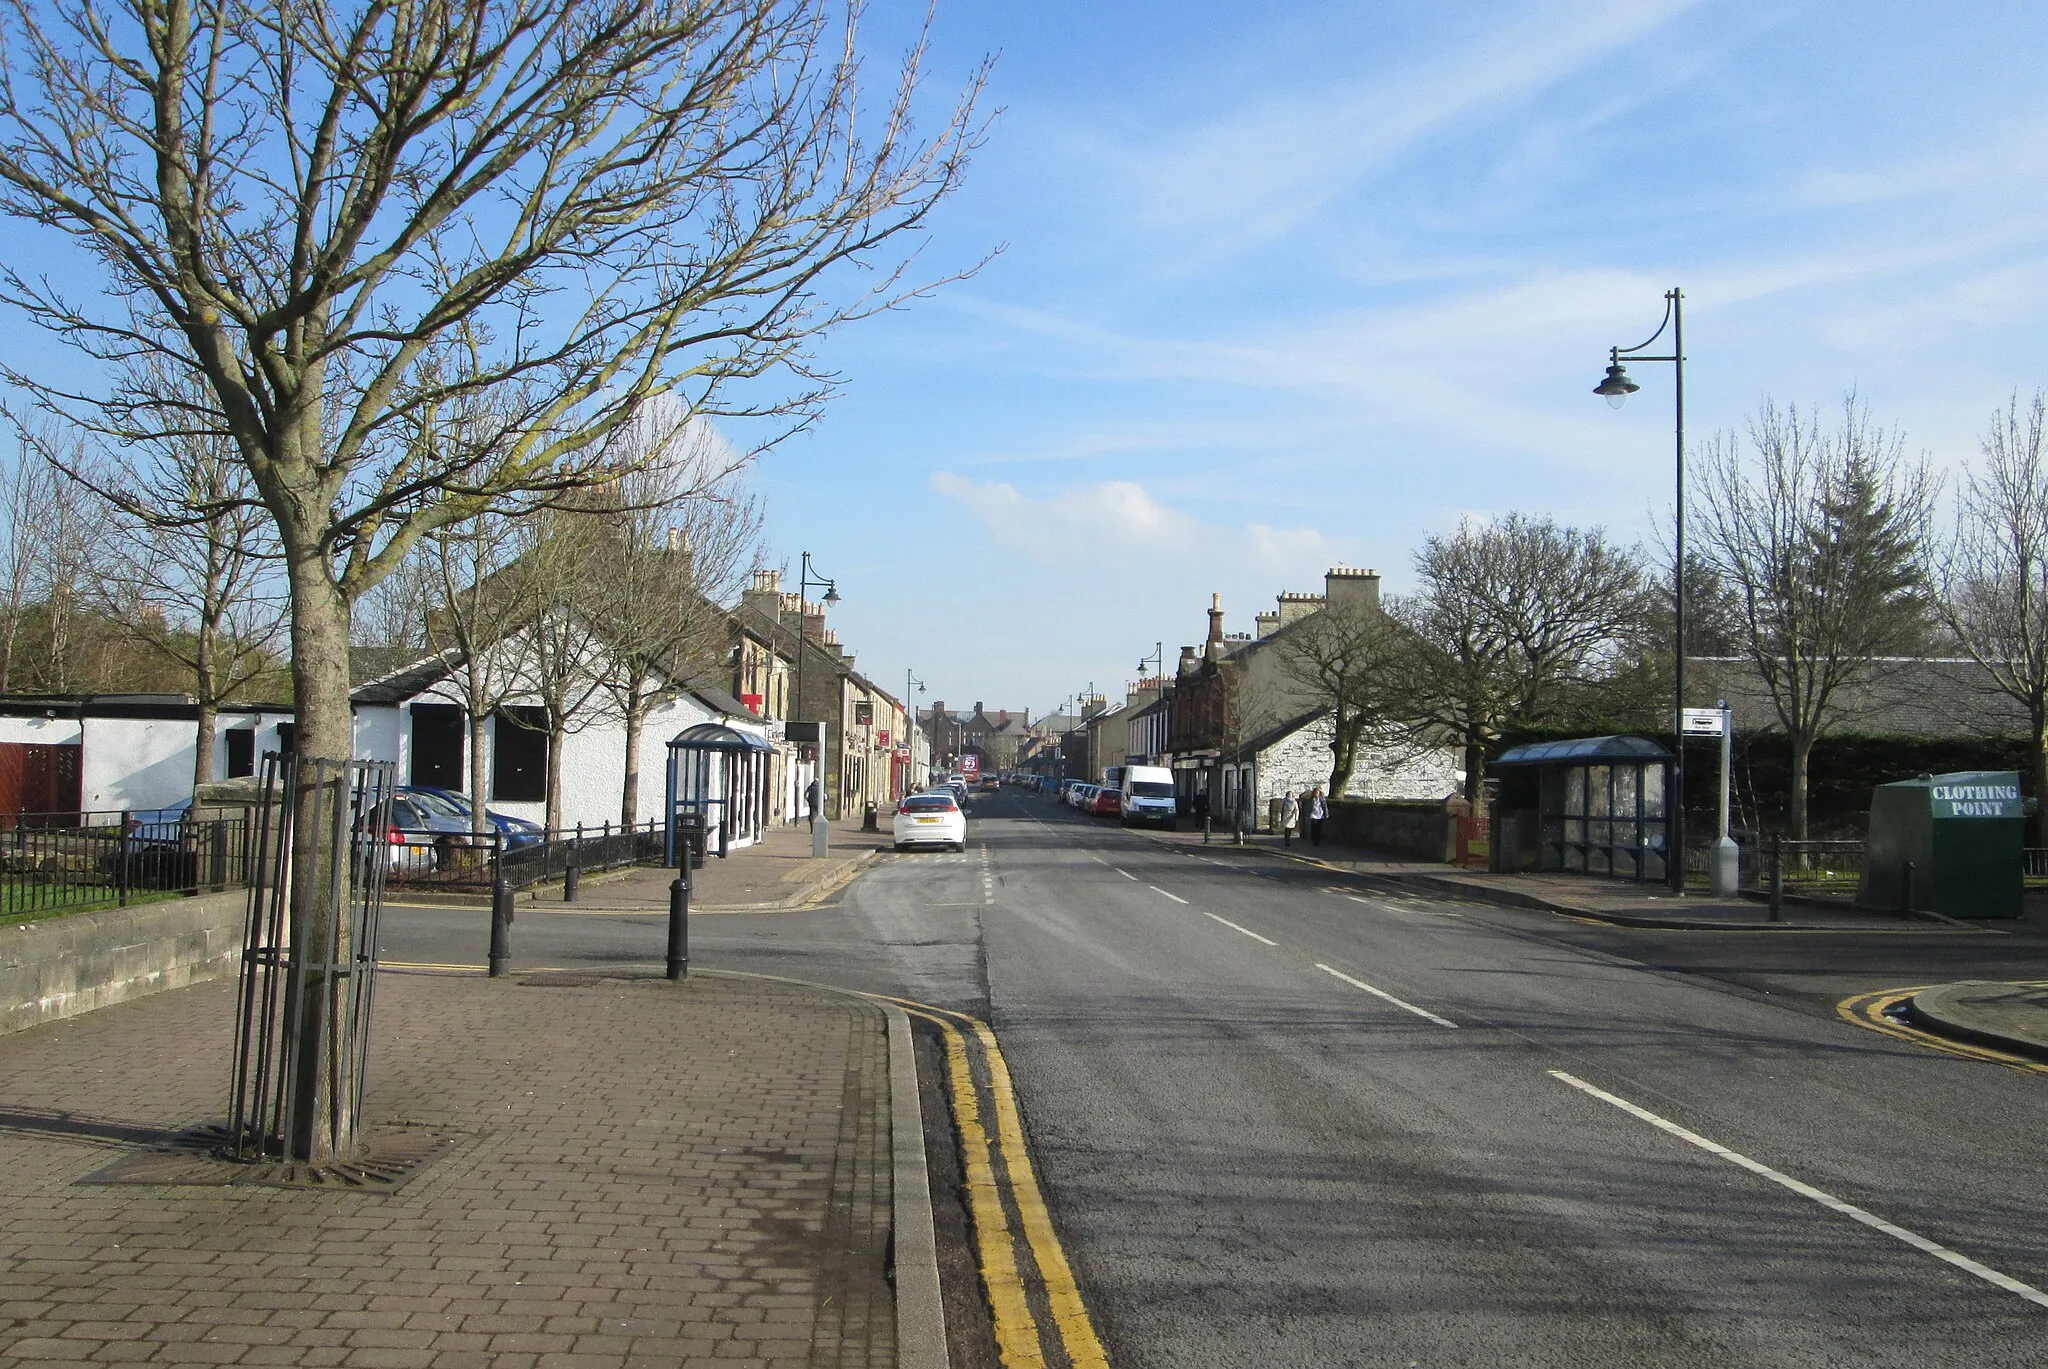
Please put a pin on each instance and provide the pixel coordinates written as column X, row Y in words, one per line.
column 1120, row 520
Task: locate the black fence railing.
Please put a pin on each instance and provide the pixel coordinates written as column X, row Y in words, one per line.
column 109, row 859
column 473, row 863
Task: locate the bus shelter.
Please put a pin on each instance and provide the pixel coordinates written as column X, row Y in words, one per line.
column 717, row 785
column 1602, row 806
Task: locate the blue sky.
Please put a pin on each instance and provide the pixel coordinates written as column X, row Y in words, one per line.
column 1288, row 285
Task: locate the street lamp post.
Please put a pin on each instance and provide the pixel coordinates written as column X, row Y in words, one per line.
column 1615, row 389
column 910, row 682
column 820, row 830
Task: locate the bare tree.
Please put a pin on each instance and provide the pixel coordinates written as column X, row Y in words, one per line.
column 472, row 611
column 680, row 533
column 557, row 650
column 1347, row 656
column 54, row 536
column 1512, row 622
column 345, row 220
column 1819, row 533
column 1994, row 578
column 199, row 562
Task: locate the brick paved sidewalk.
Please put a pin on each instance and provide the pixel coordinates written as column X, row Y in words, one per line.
column 649, row 1174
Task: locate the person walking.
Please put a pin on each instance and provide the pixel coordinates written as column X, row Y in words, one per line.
column 1202, row 813
column 1317, row 811
column 1290, row 814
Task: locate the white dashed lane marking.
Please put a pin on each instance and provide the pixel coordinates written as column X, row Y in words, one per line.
column 1401, row 1003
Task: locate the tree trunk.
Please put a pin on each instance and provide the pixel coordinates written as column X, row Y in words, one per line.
column 1475, row 772
column 320, row 624
column 554, row 820
column 479, row 770
column 202, row 750
column 1802, row 748
column 629, row 794
column 2041, row 777
column 203, row 685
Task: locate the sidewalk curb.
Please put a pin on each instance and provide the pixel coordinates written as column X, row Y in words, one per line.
column 1936, row 1016
column 831, row 882
column 913, row 1236
column 920, row 1309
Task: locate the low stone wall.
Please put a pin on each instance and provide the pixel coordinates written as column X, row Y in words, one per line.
column 1420, row 831
column 63, row 966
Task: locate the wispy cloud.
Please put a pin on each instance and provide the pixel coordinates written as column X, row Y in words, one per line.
column 1120, row 522
column 1250, row 176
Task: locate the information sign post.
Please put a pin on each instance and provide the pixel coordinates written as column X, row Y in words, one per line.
column 1724, row 864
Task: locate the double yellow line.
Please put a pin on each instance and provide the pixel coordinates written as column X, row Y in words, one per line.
column 999, row 1178
column 1872, row 1010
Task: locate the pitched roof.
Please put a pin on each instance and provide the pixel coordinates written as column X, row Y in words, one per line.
column 402, row 683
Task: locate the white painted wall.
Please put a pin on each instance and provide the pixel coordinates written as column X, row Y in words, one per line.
column 40, row 731
column 128, row 763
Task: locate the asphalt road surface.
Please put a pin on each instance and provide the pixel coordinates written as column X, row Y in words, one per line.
column 1287, row 1119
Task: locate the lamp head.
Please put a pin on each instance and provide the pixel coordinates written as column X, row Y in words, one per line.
column 1617, row 387
column 832, row 592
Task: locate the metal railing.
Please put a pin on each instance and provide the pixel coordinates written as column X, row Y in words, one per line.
column 475, row 863
column 109, row 859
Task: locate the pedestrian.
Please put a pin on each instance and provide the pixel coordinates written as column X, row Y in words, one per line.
column 1290, row 814
column 1202, row 813
column 814, row 799
column 1317, row 811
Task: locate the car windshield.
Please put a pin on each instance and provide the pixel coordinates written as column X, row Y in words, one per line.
column 434, row 803
column 928, row 804
column 1151, row 789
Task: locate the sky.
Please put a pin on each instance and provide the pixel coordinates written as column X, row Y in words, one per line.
column 1284, row 286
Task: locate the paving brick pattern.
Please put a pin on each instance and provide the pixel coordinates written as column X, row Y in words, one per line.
column 652, row 1174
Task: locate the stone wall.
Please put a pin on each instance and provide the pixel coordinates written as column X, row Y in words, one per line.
column 1420, row 831
column 63, row 966
column 1300, row 762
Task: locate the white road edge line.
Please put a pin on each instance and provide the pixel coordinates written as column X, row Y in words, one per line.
column 1157, row 890
column 1382, row 993
column 1227, row 922
column 1125, row 873
column 1805, row 1190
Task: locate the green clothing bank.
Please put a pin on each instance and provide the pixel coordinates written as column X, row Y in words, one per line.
column 1964, row 834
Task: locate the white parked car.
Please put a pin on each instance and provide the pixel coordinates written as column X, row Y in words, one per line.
column 934, row 819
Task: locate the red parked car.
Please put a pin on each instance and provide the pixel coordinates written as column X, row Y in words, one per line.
column 1107, row 803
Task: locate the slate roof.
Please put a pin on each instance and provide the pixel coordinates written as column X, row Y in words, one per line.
column 398, row 685
column 1898, row 697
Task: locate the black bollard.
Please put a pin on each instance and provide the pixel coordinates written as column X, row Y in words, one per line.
column 679, row 926
column 501, row 928
column 1906, row 891
column 569, row 880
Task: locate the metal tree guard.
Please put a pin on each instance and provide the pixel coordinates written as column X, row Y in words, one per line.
column 302, row 1027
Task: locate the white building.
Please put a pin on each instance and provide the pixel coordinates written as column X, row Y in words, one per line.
column 416, row 718
column 113, row 753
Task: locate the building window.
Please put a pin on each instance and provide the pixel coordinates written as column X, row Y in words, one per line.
column 519, row 756
column 287, row 738
column 241, row 743
column 437, row 746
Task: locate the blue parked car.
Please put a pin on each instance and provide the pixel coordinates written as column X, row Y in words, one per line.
column 448, row 803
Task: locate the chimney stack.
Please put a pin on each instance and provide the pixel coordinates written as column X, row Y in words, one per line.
column 1347, row 588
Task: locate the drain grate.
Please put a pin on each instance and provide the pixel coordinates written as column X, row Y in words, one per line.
column 386, row 1160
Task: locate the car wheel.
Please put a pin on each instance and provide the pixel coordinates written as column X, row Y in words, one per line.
column 960, row 846
column 902, row 846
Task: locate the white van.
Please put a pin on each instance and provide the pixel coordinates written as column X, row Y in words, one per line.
column 1148, row 795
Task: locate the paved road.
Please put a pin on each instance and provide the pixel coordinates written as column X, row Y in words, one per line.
column 1283, row 1121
